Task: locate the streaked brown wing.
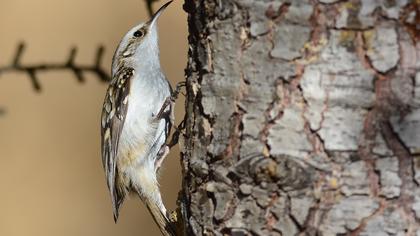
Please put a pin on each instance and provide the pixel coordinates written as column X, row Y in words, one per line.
column 112, row 122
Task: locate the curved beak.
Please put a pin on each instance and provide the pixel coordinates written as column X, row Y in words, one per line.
column 154, row 18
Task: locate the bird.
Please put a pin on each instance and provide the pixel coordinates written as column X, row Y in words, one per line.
column 136, row 119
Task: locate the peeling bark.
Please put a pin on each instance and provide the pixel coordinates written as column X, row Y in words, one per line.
column 303, row 118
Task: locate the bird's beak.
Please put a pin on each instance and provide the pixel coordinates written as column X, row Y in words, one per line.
column 154, row 18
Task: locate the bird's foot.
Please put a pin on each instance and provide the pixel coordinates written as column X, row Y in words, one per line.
column 170, row 101
column 176, row 134
column 163, row 152
column 163, row 109
column 175, row 93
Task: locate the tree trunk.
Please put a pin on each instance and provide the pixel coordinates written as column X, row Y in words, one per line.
column 303, row 118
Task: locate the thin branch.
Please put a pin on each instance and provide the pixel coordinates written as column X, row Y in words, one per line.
column 78, row 70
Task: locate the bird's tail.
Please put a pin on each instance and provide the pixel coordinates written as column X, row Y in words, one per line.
column 160, row 216
column 148, row 190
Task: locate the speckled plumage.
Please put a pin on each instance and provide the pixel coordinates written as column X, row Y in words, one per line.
column 132, row 134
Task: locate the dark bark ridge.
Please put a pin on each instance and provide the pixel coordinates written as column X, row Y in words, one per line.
column 303, row 118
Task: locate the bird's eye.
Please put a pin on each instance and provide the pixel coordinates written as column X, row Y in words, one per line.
column 138, row 34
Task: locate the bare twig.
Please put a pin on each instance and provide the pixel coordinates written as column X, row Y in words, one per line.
column 78, row 70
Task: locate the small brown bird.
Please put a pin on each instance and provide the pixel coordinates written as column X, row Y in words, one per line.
column 136, row 121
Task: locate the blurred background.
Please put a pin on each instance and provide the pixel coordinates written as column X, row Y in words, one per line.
column 51, row 176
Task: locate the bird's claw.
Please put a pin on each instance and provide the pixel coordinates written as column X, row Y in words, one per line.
column 163, row 152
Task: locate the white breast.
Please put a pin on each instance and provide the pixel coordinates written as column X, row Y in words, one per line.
column 146, row 97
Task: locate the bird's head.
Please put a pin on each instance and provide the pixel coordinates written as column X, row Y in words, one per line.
column 139, row 47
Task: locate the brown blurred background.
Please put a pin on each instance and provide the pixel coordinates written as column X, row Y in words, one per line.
column 51, row 176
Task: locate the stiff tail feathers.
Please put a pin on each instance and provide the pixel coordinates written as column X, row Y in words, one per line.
column 160, row 216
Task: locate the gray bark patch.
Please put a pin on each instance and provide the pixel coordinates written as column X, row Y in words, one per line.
column 389, row 180
column 342, row 128
column 348, row 214
column 289, row 40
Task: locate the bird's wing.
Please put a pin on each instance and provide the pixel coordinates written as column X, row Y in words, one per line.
column 112, row 122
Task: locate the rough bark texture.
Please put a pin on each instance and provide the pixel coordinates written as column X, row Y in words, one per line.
column 303, row 118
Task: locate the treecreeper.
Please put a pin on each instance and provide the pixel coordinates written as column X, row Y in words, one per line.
column 136, row 120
